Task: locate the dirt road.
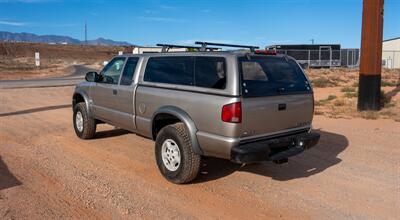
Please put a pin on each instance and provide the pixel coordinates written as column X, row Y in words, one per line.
column 46, row 172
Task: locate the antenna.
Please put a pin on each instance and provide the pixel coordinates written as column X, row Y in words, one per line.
column 85, row 32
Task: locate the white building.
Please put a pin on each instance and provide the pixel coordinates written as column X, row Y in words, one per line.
column 391, row 53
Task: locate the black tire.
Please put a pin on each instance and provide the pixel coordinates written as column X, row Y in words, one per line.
column 89, row 124
column 190, row 161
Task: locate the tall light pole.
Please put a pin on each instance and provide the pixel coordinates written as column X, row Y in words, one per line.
column 85, row 32
column 371, row 56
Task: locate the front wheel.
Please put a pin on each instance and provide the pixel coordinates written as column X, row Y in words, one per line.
column 174, row 154
column 84, row 125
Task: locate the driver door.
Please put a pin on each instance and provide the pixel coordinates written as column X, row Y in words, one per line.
column 106, row 89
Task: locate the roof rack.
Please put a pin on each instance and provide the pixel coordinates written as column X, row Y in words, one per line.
column 205, row 44
column 166, row 47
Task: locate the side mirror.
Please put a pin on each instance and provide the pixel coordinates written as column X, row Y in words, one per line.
column 92, row 77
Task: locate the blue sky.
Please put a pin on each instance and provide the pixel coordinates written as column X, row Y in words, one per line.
column 147, row 22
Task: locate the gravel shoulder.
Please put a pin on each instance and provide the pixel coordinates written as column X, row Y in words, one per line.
column 46, row 172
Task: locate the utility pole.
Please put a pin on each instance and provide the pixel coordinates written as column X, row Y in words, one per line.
column 85, row 32
column 371, row 56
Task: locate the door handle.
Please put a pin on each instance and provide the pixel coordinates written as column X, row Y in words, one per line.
column 115, row 91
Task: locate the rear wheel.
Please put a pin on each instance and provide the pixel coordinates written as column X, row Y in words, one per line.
column 84, row 126
column 174, row 154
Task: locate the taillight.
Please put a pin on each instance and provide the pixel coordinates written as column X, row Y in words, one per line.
column 232, row 113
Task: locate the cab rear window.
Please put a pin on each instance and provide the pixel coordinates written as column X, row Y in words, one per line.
column 199, row 71
column 271, row 75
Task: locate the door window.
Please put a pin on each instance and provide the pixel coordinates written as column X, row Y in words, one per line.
column 129, row 71
column 112, row 71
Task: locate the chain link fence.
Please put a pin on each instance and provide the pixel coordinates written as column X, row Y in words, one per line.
column 338, row 58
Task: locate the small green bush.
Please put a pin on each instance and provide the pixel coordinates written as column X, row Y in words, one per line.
column 387, row 84
column 322, row 82
column 348, row 89
column 325, row 101
column 350, row 94
column 331, row 97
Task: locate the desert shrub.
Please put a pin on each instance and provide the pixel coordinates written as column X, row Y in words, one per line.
column 387, row 83
column 348, row 89
column 331, row 97
column 322, row 82
column 318, row 112
column 350, row 94
column 325, row 101
column 385, row 100
column 369, row 115
column 321, row 102
column 339, row 102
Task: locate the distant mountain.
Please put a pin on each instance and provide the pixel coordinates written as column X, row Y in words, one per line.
column 56, row 39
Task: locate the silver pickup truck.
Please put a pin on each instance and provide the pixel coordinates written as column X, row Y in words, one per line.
column 245, row 106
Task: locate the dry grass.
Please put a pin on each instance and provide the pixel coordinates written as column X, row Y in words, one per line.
column 322, row 82
column 343, row 85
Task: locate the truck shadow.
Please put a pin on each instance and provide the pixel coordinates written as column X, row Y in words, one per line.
column 7, row 179
column 110, row 133
column 319, row 158
column 33, row 110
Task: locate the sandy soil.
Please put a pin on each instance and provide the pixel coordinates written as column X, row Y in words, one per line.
column 17, row 59
column 46, row 172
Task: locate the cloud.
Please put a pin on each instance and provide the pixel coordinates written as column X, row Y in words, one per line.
column 162, row 19
column 37, row 24
column 53, row 25
column 12, row 23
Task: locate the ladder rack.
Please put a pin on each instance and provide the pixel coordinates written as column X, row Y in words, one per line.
column 205, row 44
column 166, row 47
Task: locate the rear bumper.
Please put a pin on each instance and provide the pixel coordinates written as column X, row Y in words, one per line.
column 273, row 149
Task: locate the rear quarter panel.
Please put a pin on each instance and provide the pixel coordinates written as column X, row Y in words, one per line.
column 204, row 109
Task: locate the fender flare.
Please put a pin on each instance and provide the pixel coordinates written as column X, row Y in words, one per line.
column 187, row 121
column 86, row 100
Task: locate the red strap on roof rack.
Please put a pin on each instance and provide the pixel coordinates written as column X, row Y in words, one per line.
column 265, row 52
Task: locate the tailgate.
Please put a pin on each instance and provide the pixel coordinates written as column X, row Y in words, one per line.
column 277, row 96
column 274, row 114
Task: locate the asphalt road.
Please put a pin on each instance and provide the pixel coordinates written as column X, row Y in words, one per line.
column 76, row 76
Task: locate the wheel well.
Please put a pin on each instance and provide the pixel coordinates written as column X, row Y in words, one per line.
column 161, row 120
column 77, row 98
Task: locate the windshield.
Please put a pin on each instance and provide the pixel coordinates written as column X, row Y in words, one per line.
column 271, row 75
